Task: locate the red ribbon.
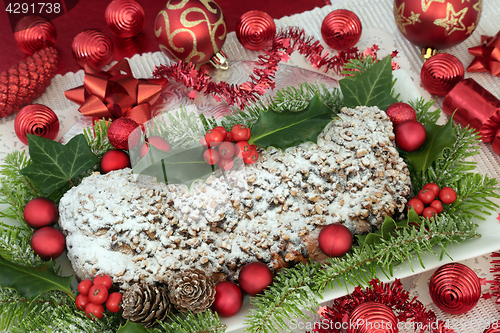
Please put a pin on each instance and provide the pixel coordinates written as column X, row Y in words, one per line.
column 116, row 93
column 487, row 56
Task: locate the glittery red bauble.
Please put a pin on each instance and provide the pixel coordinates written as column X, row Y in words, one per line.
column 228, row 299
column 48, row 243
column 255, row 30
column 441, row 73
column 34, row 32
column 254, row 278
column 92, row 47
column 36, row 119
column 410, row 135
column 119, row 132
column 335, row 240
column 114, row 160
column 494, row 327
column 125, row 18
column 41, row 212
column 437, row 24
column 341, row 29
column 190, row 31
column 399, row 112
column 455, row 288
column 372, row 317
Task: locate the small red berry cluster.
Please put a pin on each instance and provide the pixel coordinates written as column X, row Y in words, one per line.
column 222, row 150
column 426, row 203
column 94, row 294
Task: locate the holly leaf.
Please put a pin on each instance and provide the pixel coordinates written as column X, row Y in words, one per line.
column 438, row 138
column 130, row 327
column 54, row 164
column 288, row 129
column 30, row 282
column 371, row 88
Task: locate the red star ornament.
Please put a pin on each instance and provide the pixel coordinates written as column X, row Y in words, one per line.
column 487, row 56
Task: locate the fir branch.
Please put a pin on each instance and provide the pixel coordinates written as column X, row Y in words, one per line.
column 422, row 108
column 97, row 137
column 15, row 245
column 205, row 322
column 357, row 66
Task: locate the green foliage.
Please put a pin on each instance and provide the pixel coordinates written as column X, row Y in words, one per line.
column 422, row 109
column 130, row 327
column 97, row 137
column 15, row 245
column 205, row 322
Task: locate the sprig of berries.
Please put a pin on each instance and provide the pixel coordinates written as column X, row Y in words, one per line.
column 430, row 200
column 94, row 293
column 224, row 147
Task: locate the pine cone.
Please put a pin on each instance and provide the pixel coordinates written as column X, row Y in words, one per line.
column 191, row 290
column 144, row 304
column 23, row 83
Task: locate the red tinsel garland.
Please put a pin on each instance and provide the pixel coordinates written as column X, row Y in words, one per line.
column 495, row 283
column 394, row 296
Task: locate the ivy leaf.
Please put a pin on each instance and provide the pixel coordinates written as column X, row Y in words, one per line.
column 438, row 138
column 54, row 164
column 384, row 232
column 371, row 88
column 288, row 129
column 130, row 327
column 30, row 282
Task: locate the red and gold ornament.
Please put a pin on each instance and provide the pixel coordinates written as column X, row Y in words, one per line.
column 341, row 29
column 410, row 135
column 455, row 288
column 373, row 317
column 487, row 56
column 255, row 30
column 335, row 240
column 441, row 73
column 228, row 299
column 48, row 243
column 92, row 47
column 400, row 112
column 38, row 120
column 34, row 32
column 41, row 212
column 125, row 18
column 255, row 277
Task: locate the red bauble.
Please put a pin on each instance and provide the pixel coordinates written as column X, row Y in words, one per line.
column 191, row 31
column 156, row 141
column 372, row 317
column 228, row 299
column 255, row 30
column 119, row 132
column 437, row 24
column 493, row 328
column 335, row 240
column 341, row 29
column 34, row 32
column 38, row 120
column 92, row 47
column 254, row 278
column 400, row 112
column 114, row 160
column 41, row 212
column 410, row 135
column 455, row 288
column 48, row 243
column 125, row 18
column 441, row 73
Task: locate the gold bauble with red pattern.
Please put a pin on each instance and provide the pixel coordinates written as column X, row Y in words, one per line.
column 437, row 24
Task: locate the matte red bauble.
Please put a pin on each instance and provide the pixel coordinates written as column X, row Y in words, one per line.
column 38, row 120
column 400, row 112
column 191, row 31
column 441, row 73
column 228, row 299
column 437, row 24
column 455, row 288
column 341, row 29
column 34, row 32
column 373, row 317
column 335, row 240
column 255, row 30
column 119, row 132
column 114, row 160
column 410, row 135
column 125, row 18
column 255, row 277
column 48, row 243
column 41, row 212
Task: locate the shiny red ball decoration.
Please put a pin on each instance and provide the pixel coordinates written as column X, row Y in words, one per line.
column 494, row 327
column 372, row 317
column 41, row 212
column 228, row 299
column 119, row 132
column 255, row 30
column 125, row 18
column 441, row 73
column 410, row 135
column 455, row 288
column 190, row 31
column 255, row 277
column 400, row 112
column 114, row 160
column 34, row 32
column 335, row 240
column 92, row 47
column 38, row 120
column 341, row 29
column 437, row 24
column 48, row 243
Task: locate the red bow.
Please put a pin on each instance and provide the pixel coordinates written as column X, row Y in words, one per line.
column 116, row 93
column 487, row 56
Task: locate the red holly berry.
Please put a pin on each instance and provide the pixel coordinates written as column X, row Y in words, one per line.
column 203, row 142
column 98, row 294
column 213, row 138
column 437, row 205
column 81, row 301
column 156, row 141
column 84, row 286
column 226, row 163
column 226, row 150
column 240, row 133
column 94, row 311
column 103, row 279
column 229, row 137
column 417, row 204
column 211, row 156
column 447, row 195
column 433, row 187
column 429, row 212
column 252, row 158
column 242, row 149
column 113, row 303
column 223, row 131
column 426, row 195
